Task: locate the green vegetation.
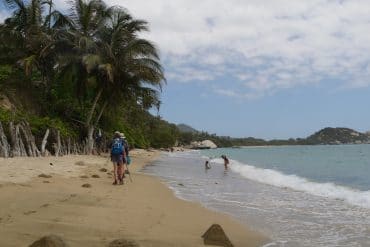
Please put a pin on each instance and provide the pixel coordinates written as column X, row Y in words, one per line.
column 80, row 71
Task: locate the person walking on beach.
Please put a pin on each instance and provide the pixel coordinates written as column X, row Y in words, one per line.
column 126, row 159
column 226, row 161
column 117, row 157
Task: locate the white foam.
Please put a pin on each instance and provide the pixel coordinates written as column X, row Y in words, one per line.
column 276, row 178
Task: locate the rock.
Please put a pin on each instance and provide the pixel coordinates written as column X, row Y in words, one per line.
column 103, row 170
column 42, row 175
column 86, row 185
column 123, row 243
column 80, row 163
column 180, row 184
column 95, row 176
column 49, row 241
column 206, row 144
column 215, row 235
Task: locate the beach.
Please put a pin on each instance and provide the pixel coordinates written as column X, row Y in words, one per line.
column 144, row 210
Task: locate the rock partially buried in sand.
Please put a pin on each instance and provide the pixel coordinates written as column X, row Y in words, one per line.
column 215, row 235
column 123, row 243
column 49, row 241
column 42, row 175
column 86, row 185
column 80, row 163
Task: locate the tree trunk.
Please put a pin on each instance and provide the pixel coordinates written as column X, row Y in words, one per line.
column 57, row 145
column 90, row 127
column 90, row 140
column 44, row 142
column 13, row 141
column 4, row 145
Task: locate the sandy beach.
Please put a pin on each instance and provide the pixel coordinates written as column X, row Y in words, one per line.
column 144, row 210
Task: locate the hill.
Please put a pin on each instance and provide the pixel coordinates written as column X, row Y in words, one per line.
column 337, row 136
column 186, row 128
column 326, row 136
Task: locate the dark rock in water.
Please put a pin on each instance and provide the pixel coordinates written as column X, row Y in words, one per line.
column 86, row 185
column 181, row 184
column 49, row 241
column 95, row 176
column 103, row 170
column 42, row 175
column 215, row 235
column 123, row 243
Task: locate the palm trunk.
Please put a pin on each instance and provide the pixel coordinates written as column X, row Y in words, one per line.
column 89, row 126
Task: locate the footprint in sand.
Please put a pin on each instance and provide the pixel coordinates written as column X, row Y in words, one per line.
column 42, row 175
column 84, row 176
column 30, row 212
column 95, row 176
column 45, row 205
column 86, row 185
column 6, row 219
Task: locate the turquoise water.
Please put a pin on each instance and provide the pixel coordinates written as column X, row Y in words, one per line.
column 299, row 196
column 347, row 165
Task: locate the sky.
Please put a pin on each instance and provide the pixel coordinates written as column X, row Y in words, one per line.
column 262, row 68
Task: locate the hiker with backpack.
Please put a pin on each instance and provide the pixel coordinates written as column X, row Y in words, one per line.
column 118, row 157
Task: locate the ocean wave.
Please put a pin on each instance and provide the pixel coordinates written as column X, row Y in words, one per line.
column 279, row 179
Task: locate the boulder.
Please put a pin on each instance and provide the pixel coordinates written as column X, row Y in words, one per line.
column 215, row 235
column 206, row 144
column 123, row 243
column 49, row 241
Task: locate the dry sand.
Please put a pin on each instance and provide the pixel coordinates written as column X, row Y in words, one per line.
column 144, row 210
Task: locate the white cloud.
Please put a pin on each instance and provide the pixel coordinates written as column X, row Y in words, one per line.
column 261, row 45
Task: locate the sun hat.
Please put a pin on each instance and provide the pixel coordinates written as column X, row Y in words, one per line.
column 122, row 135
column 117, row 134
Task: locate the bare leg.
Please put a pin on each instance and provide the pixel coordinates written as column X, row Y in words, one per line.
column 120, row 172
column 115, row 173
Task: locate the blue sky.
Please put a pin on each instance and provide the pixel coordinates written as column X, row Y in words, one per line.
column 262, row 68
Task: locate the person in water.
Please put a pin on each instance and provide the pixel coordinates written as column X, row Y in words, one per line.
column 226, row 161
column 207, row 165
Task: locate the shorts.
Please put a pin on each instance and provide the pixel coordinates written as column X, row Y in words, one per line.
column 117, row 158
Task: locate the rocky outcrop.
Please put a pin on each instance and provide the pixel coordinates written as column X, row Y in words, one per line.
column 215, row 235
column 206, row 144
column 49, row 241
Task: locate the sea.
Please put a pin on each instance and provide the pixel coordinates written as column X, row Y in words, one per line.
column 298, row 196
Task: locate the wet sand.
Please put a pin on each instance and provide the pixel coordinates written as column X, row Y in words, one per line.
column 144, row 210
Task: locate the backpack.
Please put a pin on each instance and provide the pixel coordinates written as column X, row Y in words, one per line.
column 117, row 146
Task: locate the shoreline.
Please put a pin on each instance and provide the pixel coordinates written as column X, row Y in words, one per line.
column 149, row 212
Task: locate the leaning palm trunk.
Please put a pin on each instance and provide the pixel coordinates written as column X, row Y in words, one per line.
column 90, row 125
